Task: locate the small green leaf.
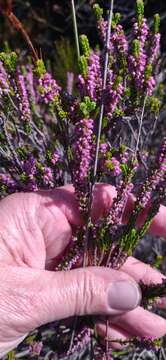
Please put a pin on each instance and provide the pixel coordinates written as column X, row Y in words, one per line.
column 136, row 48
column 140, row 11
column 156, row 23
column 83, row 66
column 125, row 169
column 40, row 69
column 98, row 11
column 85, row 45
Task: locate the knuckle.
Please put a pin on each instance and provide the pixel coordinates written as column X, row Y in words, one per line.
column 87, row 289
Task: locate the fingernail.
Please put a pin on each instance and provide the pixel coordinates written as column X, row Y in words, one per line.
column 124, row 296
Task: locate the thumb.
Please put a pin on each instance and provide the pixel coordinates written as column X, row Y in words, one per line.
column 88, row 291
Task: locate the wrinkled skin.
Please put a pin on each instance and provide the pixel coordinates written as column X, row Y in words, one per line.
column 35, row 229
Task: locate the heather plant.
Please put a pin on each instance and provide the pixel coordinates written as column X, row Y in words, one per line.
column 98, row 132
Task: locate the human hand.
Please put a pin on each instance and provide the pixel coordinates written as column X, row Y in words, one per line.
column 34, row 231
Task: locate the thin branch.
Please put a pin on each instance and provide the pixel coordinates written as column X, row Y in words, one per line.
column 10, row 146
column 140, row 125
column 101, row 113
column 19, row 27
column 106, row 62
column 75, row 28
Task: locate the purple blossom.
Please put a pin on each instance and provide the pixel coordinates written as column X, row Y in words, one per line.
column 83, row 154
column 24, row 103
column 30, row 84
column 102, row 27
column 141, row 32
column 103, row 148
column 150, row 86
column 29, row 166
column 72, row 258
column 81, row 340
column 4, row 83
column 119, row 41
column 113, row 97
column 116, row 164
column 119, row 203
column 137, row 64
column 92, row 86
column 48, row 177
column 35, row 348
column 55, row 158
column 137, row 69
column 155, row 48
column 10, row 183
column 154, row 179
column 124, row 157
column 49, row 89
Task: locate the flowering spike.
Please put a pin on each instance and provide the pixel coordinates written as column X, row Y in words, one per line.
column 83, row 154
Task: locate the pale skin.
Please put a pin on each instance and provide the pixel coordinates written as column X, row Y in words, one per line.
column 35, row 229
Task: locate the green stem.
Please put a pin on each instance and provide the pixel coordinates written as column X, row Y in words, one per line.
column 75, row 28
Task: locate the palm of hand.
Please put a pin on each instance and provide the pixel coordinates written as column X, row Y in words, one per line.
column 34, row 229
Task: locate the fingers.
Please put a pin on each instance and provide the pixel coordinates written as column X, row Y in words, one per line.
column 142, row 323
column 140, row 271
column 64, row 198
column 58, row 213
column 57, row 295
column 138, row 322
column 158, row 226
column 103, row 197
column 145, row 273
column 87, row 291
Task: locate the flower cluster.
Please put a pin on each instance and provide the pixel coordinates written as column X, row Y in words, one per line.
column 48, row 87
column 82, row 158
column 4, row 86
column 81, row 340
column 24, row 104
column 93, row 83
column 36, row 348
column 137, row 61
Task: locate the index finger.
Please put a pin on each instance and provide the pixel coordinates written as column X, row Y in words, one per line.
column 158, row 226
column 65, row 199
